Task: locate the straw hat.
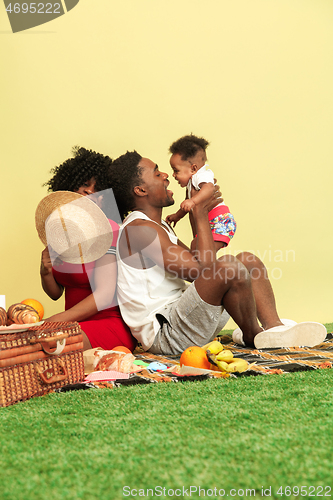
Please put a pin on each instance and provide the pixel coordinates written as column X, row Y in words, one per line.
column 74, row 226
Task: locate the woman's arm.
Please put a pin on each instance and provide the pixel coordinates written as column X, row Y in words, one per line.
column 49, row 284
column 103, row 285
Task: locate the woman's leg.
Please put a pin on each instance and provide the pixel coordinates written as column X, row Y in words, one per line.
column 86, row 341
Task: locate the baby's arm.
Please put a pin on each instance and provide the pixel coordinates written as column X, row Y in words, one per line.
column 175, row 217
column 203, row 194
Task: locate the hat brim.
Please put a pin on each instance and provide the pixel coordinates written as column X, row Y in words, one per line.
column 75, row 255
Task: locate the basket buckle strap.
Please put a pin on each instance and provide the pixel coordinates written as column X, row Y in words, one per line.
column 49, row 377
column 59, row 338
column 45, row 337
column 58, row 350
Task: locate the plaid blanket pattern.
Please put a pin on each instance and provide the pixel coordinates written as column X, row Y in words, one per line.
column 267, row 361
column 279, row 361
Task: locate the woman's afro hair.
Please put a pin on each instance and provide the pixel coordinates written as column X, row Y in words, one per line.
column 188, row 146
column 74, row 172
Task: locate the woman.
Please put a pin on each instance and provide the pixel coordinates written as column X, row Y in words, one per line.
column 87, row 173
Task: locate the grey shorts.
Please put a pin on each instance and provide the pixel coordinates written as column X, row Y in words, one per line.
column 186, row 322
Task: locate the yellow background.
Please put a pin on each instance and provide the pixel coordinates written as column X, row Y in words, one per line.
column 254, row 77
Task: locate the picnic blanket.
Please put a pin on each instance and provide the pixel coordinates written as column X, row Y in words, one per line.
column 267, row 362
column 287, row 360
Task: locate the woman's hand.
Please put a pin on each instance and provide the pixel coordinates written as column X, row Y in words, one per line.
column 46, row 264
column 49, row 284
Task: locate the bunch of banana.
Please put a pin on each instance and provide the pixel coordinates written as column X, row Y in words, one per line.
column 226, row 362
column 223, row 359
column 213, row 347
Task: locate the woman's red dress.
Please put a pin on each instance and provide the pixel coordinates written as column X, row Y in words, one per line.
column 104, row 329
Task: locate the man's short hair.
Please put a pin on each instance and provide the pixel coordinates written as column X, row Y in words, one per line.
column 125, row 174
column 188, row 146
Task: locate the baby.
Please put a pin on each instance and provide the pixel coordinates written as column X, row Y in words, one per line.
column 188, row 162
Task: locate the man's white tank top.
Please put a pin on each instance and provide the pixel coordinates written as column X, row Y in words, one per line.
column 142, row 293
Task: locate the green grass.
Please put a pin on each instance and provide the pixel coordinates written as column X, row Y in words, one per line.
column 252, row 432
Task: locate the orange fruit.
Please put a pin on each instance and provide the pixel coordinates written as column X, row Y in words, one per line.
column 121, row 348
column 195, row 356
column 36, row 305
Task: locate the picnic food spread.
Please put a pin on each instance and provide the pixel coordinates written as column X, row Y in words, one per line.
column 213, row 356
column 21, row 314
column 195, row 356
column 36, row 305
column 3, row 317
column 40, row 362
column 26, row 312
column 113, row 360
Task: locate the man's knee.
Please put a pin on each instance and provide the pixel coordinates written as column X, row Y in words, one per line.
column 227, row 269
column 247, row 257
column 254, row 265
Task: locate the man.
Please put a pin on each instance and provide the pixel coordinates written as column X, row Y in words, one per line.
column 163, row 312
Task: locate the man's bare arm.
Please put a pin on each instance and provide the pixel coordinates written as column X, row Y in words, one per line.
column 144, row 244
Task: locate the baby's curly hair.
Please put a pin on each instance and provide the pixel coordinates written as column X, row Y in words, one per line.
column 188, row 146
column 125, row 174
column 74, row 172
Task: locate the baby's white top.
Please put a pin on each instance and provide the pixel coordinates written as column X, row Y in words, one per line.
column 204, row 174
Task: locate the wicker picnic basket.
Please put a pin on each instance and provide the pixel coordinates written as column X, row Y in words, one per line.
column 38, row 360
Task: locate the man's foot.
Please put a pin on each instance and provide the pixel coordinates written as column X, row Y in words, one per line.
column 238, row 338
column 237, row 335
column 307, row 334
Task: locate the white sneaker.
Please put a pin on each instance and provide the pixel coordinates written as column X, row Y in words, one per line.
column 307, row 334
column 288, row 322
column 237, row 335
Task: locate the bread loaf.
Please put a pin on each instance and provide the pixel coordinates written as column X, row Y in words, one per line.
column 21, row 313
column 3, row 317
column 112, row 360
